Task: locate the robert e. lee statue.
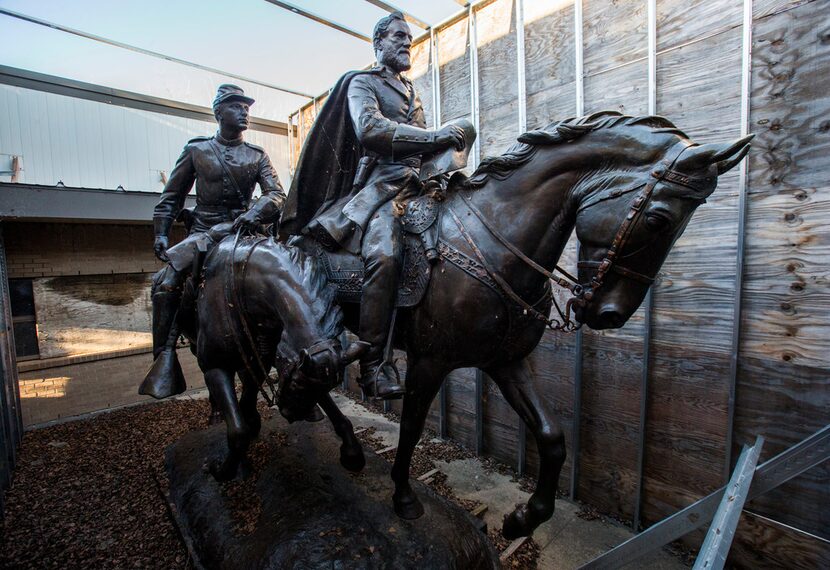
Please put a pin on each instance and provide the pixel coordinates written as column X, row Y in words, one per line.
column 226, row 169
column 362, row 157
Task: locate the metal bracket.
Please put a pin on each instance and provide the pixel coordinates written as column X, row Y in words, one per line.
column 778, row 470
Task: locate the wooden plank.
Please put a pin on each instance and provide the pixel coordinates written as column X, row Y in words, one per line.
column 421, row 76
column 785, row 348
column 763, row 543
column 454, row 62
column 549, row 64
column 785, row 403
column 614, row 33
column 461, row 392
column 682, row 21
column 498, row 88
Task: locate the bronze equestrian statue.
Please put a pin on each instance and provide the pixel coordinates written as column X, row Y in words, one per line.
column 359, row 166
column 226, row 169
column 263, row 304
column 627, row 185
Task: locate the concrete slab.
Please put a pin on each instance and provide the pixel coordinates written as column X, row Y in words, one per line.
column 566, row 541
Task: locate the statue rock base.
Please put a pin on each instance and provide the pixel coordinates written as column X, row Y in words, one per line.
column 297, row 507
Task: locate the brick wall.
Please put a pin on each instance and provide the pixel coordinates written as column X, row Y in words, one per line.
column 47, row 249
column 80, row 385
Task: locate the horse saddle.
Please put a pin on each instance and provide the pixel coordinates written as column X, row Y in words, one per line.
column 345, row 271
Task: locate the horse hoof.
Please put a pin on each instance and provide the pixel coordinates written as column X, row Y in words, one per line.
column 516, row 524
column 220, row 471
column 409, row 509
column 352, row 460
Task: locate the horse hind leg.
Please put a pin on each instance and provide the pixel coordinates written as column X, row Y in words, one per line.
column 351, row 452
column 221, row 385
column 516, row 383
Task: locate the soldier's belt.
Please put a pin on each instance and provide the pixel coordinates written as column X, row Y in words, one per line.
column 413, row 162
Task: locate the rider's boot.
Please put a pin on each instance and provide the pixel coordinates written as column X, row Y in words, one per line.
column 165, row 377
column 377, row 377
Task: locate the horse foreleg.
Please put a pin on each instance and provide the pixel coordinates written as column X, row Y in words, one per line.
column 516, row 383
column 220, row 383
column 215, row 416
column 422, row 382
column 247, row 404
column 351, row 452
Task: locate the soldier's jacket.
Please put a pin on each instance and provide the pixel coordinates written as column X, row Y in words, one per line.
column 378, row 104
column 217, row 198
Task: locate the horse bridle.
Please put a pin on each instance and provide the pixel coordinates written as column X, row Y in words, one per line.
column 581, row 293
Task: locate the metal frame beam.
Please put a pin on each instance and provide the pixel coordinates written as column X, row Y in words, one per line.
column 718, row 540
column 407, row 16
column 79, row 33
column 110, row 96
column 799, row 458
column 472, row 36
column 649, row 301
column 443, row 427
column 746, row 77
column 577, row 406
column 319, row 19
column 522, row 110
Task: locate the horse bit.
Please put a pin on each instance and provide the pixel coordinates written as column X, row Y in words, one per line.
column 582, row 294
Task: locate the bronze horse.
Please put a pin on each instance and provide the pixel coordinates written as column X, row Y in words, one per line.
column 255, row 292
column 629, row 186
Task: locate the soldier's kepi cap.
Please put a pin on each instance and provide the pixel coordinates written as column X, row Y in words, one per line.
column 228, row 92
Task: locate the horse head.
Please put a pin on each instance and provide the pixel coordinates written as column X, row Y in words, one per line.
column 312, row 374
column 628, row 220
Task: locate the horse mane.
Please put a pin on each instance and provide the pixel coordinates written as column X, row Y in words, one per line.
column 500, row 167
column 315, row 283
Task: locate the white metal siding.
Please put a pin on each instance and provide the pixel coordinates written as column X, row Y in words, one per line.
column 87, row 144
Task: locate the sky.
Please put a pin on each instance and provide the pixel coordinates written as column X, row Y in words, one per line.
column 251, row 38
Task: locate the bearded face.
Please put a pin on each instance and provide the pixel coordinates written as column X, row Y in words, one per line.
column 393, row 48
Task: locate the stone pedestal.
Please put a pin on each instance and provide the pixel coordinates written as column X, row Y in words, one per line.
column 298, row 508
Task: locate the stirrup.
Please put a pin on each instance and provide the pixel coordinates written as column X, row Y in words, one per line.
column 394, row 390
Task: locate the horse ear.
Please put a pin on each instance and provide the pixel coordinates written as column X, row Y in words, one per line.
column 729, row 157
column 723, row 155
column 354, row 351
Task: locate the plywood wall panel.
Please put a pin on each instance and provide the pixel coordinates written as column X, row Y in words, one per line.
column 782, row 390
column 498, row 77
column 680, row 22
column 614, row 34
column 454, row 62
column 421, row 76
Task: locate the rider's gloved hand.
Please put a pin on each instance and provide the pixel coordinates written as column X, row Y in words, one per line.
column 451, row 135
column 248, row 222
column 160, row 248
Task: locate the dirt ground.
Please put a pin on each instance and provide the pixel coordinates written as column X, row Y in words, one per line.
column 89, row 493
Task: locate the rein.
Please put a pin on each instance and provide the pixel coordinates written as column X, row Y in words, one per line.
column 581, row 293
column 234, row 292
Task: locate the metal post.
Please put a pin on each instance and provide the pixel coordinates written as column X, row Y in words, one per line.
column 718, row 540
column 522, row 108
column 577, row 409
column 473, row 37
column 794, row 461
column 580, row 93
column 436, row 80
column 746, row 75
column 290, row 146
column 649, row 302
column 436, row 123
